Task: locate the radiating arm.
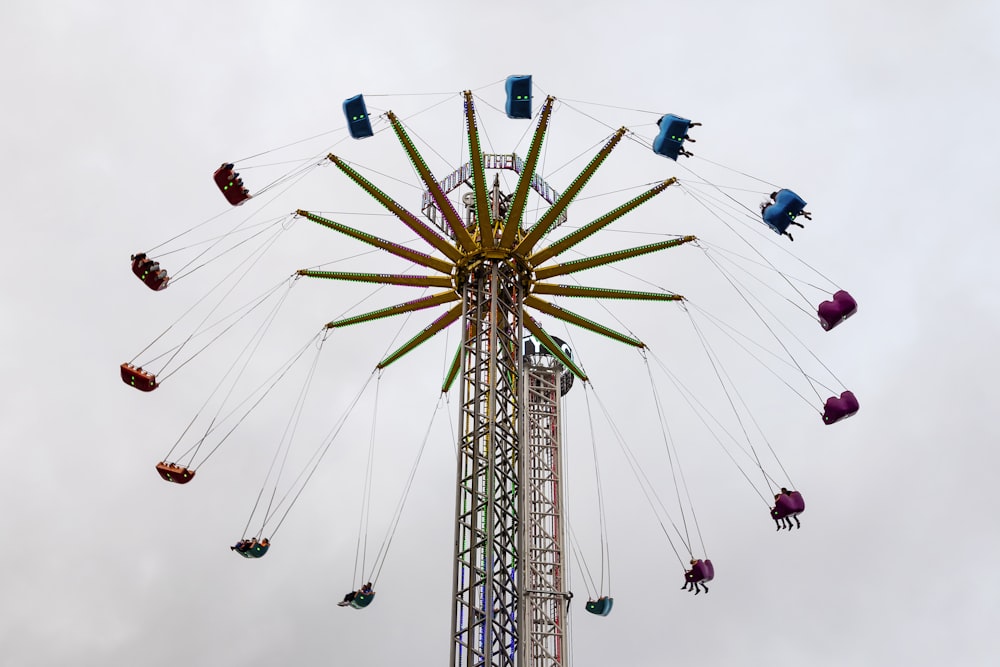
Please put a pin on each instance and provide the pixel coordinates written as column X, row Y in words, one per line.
column 394, row 248
column 437, row 325
column 579, row 320
column 549, row 217
column 456, row 363
column 484, row 216
column 516, row 210
column 384, row 278
column 440, row 198
column 538, row 332
column 600, row 260
column 409, row 306
column 586, row 231
column 444, row 246
column 602, row 293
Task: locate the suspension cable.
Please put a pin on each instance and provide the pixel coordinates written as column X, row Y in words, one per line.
column 605, row 555
column 671, row 455
column 317, row 457
column 648, row 490
column 383, row 551
column 361, row 551
column 287, row 437
column 700, row 410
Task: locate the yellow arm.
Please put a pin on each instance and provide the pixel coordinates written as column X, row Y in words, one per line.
column 602, row 293
column 437, row 325
column 516, row 210
column 538, row 332
column 424, row 231
column 408, row 307
column 578, row 320
column 484, row 215
column 549, row 217
column 597, row 225
column 443, row 203
column 384, row 278
column 394, row 248
column 600, row 260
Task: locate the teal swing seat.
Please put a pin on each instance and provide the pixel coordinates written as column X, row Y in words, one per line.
column 600, row 606
column 362, row 600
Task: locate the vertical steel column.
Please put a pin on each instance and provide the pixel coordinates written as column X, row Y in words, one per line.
column 485, row 587
column 546, row 599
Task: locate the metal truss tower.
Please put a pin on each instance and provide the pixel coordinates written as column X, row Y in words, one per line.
column 488, row 577
column 546, row 599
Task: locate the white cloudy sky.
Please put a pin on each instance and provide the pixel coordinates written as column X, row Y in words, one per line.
column 882, row 114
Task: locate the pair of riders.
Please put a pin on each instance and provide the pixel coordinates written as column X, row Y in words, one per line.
column 367, row 589
column 790, row 220
column 244, row 546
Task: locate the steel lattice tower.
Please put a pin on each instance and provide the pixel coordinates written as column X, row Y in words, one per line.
column 508, row 597
column 546, row 599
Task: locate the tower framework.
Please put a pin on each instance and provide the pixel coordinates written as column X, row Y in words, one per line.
column 546, row 598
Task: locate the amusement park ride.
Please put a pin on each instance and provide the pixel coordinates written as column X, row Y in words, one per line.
column 497, row 271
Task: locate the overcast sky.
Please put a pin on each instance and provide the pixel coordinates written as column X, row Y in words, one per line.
column 881, row 114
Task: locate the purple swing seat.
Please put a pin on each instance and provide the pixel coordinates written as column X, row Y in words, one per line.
column 788, row 505
column 840, row 408
column 700, row 571
column 832, row 313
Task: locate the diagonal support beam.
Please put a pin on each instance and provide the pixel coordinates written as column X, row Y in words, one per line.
column 462, row 235
column 383, row 278
column 516, row 211
column 484, row 216
column 393, row 248
column 602, row 293
column 579, row 320
column 437, row 325
column 549, row 217
column 424, row 231
column 538, row 332
column 589, row 230
column 600, row 260
column 408, row 307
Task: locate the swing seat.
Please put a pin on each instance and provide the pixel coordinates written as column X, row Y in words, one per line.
column 786, row 207
column 171, row 472
column 358, row 122
column 670, row 140
column 518, row 96
column 252, row 550
column 788, row 505
column 138, row 378
column 230, row 184
column 832, row 313
column 702, row 570
column 600, row 606
column 362, row 600
column 258, row 550
column 156, row 279
column 837, row 409
column 149, row 272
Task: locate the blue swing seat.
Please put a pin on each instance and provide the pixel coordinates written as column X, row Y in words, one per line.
column 358, row 122
column 519, row 96
column 786, row 207
column 670, row 140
